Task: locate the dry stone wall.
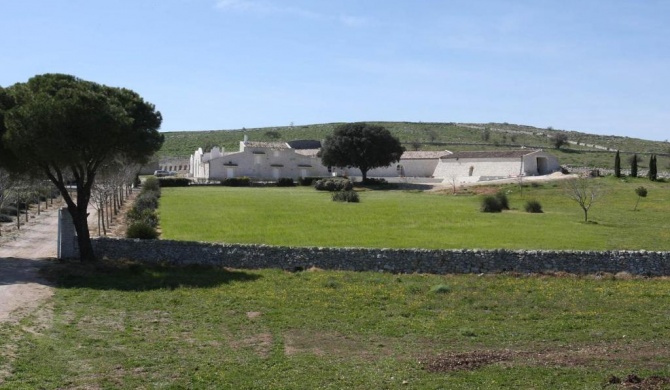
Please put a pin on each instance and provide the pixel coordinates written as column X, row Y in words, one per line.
column 386, row 260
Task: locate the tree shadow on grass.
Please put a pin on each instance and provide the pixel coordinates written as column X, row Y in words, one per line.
column 132, row 276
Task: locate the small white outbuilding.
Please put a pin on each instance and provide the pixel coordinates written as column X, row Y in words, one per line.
column 471, row 166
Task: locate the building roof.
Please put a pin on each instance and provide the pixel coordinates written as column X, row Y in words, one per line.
column 269, row 145
column 304, row 144
column 308, row 152
column 423, row 154
column 491, row 154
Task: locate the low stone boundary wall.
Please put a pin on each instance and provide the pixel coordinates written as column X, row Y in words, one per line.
column 387, row 260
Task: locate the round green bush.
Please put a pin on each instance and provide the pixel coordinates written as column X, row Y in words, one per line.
column 333, row 185
column 346, row 196
column 490, row 204
column 141, row 230
column 147, row 200
column 151, row 183
column 533, row 206
column 6, row 218
column 501, row 196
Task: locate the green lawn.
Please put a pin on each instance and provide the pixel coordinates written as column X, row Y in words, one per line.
column 135, row 327
column 412, row 219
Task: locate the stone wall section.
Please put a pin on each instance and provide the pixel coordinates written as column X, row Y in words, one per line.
column 387, row 260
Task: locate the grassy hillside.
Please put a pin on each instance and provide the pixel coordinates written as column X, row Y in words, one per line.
column 584, row 150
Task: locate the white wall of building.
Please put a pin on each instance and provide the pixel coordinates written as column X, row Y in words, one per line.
column 405, row 167
column 476, row 167
column 488, row 168
column 265, row 164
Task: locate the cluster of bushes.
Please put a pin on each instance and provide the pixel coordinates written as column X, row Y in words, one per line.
column 348, row 196
column 495, row 203
column 174, row 182
column 142, row 217
column 333, row 184
column 241, row 181
column 499, row 202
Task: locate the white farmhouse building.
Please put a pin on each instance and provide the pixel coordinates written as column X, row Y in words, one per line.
column 259, row 160
column 295, row 159
column 491, row 165
column 273, row 160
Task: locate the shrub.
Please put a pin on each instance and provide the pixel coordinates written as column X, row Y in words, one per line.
column 142, row 231
column 285, row 182
column 174, row 182
column 533, row 206
column 151, row 184
column 142, row 216
column 501, row 196
column 307, row 181
column 241, row 181
column 5, row 218
column 147, row 216
column 147, row 200
column 333, row 185
column 346, row 196
column 490, row 204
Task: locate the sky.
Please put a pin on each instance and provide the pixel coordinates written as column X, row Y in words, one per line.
column 596, row 66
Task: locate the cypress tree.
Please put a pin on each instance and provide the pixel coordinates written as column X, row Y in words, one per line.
column 652, row 168
column 633, row 166
column 617, row 165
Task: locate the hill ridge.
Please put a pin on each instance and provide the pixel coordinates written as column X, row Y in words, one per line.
column 582, row 149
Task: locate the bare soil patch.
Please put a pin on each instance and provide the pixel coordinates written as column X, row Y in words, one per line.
column 632, row 381
column 622, row 355
column 465, row 361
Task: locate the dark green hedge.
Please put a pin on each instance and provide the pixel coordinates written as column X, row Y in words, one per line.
column 241, row 181
column 174, row 182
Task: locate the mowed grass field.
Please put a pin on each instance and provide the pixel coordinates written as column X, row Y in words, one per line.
column 128, row 327
column 301, row 216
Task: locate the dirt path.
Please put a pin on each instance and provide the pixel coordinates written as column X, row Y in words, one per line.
column 22, row 254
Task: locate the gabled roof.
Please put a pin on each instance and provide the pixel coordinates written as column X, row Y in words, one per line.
column 491, row 154
column 304, row 144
